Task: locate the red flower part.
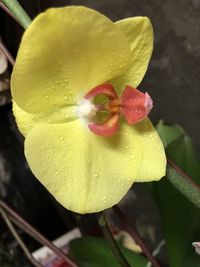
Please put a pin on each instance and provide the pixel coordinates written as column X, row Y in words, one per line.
column 133, row 104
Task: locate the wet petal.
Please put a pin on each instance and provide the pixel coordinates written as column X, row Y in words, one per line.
column 72, row 163
column 139, row 33
column 63, row 54
column 153, row 155
column 27, row 121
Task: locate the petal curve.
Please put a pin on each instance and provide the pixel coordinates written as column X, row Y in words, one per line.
column 153, row 166
column 63, row 54
column 72, row 163
column 27, row 121
column 139, row 33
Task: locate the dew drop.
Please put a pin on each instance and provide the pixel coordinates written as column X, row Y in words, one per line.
column 96, row 175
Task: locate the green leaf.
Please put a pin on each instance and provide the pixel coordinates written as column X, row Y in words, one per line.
column 168, row 133
column 94, row 252
column 181, row 219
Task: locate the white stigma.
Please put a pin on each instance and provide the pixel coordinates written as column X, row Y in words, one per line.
column 86, row 110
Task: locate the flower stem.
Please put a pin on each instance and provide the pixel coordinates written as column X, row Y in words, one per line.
column 26, row 227
column 4, row 7
column 135, row 236
column 111, row 241
column 7, row 53
column 19, row 13
column 19, row 240
column 183, row 183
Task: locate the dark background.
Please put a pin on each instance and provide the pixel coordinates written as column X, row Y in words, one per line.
column 172, row 80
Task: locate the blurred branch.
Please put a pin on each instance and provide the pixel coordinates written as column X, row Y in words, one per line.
column 7, row 53
column 18, row 12
column 111, row 241
column 19, row 240
column 4, row 7
column 183, row 183
column 157, row 251
column 135, row 236
column 26, row 227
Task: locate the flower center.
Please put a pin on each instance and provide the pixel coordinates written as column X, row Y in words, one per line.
column 133, row 104
column 86, row 109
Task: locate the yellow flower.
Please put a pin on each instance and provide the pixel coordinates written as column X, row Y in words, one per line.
column 64, row 54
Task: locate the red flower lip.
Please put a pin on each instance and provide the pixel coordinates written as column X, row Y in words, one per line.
column 133, row 104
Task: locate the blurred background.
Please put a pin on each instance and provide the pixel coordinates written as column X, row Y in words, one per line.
column 173, row 82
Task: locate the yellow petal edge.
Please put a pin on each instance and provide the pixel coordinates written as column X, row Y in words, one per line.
column 139, row 33
column 73, row 162
column 64, row 53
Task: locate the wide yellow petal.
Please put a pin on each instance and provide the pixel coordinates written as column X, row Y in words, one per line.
column 139, row 33
column 87, row 173
column 84, row 172
column 153, row 165
column 64, row 53
column 27, row 121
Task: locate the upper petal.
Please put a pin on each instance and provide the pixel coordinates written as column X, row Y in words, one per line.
column 85, row 172
column 63, row 54
column 139, row 33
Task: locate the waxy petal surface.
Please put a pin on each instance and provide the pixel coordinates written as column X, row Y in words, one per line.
column 63, row 54
column 153, row 166
column 73, row 164
column 27, row 121
column 139, row 33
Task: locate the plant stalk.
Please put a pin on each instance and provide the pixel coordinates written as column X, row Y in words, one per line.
column 183, row 183
column 135, row 236
column 18, row 12
column 19, row 240
column 111, row 241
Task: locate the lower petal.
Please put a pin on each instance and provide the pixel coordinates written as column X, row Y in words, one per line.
column 84, row 172
column 153, row 165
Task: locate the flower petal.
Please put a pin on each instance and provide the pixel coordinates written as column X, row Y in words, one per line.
column 153, row 154
column 27, row 121
column 139, row 33
column 72, row 163
column 64, row 53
